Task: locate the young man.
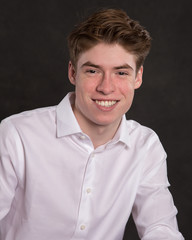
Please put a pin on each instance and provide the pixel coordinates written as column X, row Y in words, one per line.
column 78, row 170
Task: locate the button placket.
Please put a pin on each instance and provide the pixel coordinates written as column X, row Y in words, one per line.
column 85, row 204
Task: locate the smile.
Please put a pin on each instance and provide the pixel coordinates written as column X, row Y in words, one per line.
column 106, row 103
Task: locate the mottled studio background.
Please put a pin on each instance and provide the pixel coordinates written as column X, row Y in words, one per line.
column 33, row 73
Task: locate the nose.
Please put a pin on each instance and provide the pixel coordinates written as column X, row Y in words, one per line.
column 106, row 84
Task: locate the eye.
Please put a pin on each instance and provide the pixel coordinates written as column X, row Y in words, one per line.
column 91, row 71
column 121, row 73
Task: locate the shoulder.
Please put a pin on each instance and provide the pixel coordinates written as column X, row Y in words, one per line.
column 135, row 128
column 27, row 118
column 29, row 115
column 147, row 144
column 143, row 136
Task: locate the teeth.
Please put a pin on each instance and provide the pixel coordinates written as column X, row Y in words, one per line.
column 105, row 103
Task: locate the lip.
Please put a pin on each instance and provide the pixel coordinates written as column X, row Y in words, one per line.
column 105, row 99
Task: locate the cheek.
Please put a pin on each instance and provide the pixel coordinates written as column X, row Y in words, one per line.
column 86, row 85
column 126, row 89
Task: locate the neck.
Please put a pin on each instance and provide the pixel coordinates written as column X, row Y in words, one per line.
column 100, row 135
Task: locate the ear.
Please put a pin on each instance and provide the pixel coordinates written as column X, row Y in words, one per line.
column 138, row 79
column 71, row 73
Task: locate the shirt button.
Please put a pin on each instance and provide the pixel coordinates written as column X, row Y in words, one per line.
column 82, row 137
column 82, row 227
column 88, row 190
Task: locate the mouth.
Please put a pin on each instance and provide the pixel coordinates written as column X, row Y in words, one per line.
column 106, row 103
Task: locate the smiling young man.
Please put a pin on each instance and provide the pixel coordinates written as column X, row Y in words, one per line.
column 79, row 169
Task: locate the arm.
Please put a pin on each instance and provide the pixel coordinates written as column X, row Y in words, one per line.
column 154, row 212
column 8, row 156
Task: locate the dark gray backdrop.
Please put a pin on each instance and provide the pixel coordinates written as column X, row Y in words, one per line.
column 33, row 73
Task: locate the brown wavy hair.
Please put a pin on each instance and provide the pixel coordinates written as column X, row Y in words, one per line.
column 110, row 26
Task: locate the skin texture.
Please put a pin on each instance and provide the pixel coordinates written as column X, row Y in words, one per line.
column 105, row 80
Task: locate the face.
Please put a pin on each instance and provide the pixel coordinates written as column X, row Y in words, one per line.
column 105, row 80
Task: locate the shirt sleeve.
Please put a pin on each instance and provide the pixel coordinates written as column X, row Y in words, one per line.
column 154, row 211
column 8, row 158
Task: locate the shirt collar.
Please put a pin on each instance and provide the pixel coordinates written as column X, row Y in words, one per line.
column 66, row 121
column 123, row 132
column 68, row 125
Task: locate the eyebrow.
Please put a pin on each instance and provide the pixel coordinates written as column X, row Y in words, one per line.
column 125, row 66
column 90, row 64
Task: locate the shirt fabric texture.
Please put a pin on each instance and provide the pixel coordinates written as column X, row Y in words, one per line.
column 55, row 185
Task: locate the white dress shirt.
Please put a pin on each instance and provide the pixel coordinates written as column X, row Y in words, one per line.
column 55, row 186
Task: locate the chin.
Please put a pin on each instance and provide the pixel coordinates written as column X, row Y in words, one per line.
column 105, row 122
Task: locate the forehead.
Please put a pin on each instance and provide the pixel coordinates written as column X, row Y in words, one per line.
column 107, row 55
